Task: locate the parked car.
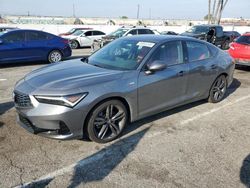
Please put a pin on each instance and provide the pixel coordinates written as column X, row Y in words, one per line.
column 129, row 79
column 83, row 38
column 210, row 33
column 31, row 45
column 240, row 50
column 169, row 33
column 71, row 31
column 232, row 34
column 126, row 31
column 4, row 29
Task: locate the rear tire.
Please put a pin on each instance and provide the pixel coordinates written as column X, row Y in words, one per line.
column 218, row 89
column 55, row 56
column 107, row 121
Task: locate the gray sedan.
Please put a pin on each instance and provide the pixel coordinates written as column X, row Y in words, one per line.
column 129, row 79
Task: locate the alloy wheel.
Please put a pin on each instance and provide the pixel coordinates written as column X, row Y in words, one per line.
column 219, row 89
column 55, row 56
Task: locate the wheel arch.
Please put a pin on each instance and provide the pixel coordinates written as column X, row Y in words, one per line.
column 119, row 98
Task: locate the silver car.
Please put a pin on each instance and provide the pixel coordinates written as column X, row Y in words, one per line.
column 129, row 79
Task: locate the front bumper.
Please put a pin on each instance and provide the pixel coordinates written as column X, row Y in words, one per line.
column 52, row 121
column 245, row 62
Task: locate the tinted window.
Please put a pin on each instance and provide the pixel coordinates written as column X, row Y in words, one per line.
column 88, row 33
column 197, row 51
column 32, row 35
column 133, row 32
column 98, row 33
column 145, row 31
column 243, row 40
column 14, row 37
column 171, row 53
column 219, row 31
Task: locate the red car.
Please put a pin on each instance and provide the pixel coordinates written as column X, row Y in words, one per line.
column 240, row 50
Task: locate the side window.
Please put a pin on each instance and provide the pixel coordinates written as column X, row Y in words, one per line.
column 14, row 37
column 88, row 33
column 219, row 31
column 98, row 33
column 32, row 35
column 142, row 31
column 133, row 32
column 171, row 53
column 197, row 51
column 149, row 31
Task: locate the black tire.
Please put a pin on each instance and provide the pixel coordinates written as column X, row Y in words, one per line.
column 55, row 56
column 107, row 121
column 74, row 44
column 218, row 89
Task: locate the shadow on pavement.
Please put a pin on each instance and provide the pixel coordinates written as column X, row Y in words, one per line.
column 39, row 184
column 99, row 165
column 244, row 68
column 233, row 87
column 245, row 172
column 5, row 107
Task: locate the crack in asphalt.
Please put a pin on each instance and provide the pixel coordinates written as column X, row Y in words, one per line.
column 21, row 169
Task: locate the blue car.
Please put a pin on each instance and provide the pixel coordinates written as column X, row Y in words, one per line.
column 30, row 45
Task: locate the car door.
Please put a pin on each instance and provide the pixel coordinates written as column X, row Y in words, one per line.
column 37, row 44
column 202, row 69
column 87, row 38
column 164, row 88
column 12, row 47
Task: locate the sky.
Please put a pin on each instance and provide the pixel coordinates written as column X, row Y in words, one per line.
column 164, row 9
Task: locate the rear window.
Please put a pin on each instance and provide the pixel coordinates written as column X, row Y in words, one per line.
column 33, row 35
column 243, row 40
column 197, row 51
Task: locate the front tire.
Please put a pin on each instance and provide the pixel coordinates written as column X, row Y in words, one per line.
column 107, row 121
column 55, row 56
column 218, row 89
column 225, row 45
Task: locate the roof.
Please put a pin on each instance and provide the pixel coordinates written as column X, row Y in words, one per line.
column 158, row 38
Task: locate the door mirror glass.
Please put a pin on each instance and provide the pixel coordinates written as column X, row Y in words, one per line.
column 155, row 66
column 129, row 35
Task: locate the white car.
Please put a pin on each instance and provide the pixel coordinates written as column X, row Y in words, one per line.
column 82, row 38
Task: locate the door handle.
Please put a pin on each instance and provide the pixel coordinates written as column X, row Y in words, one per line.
column 181, row 73
column 213, row 66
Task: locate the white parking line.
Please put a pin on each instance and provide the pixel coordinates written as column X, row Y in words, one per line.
column 2, row 79
column 71, row 167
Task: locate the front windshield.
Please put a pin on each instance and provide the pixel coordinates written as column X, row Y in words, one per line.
column 72, row 30
column 243, row 40
column 125, row 54
column 77, row 33
column 198, row 30
column 118, row 33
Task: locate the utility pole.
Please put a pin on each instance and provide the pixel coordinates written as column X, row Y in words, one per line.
column 74, row 15
column 213, row 12
column 138, row 11
column 150, row 13
column 209, row 11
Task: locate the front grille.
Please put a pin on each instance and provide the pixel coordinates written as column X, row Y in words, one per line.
column 22, row 100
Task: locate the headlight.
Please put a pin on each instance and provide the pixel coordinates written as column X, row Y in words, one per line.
column 67, row 100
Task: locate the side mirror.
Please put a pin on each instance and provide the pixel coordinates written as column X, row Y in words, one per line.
column 83, row 35
column 155, row 66
column 129, row 35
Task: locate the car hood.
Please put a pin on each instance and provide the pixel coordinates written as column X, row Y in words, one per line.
column 70, row 37
column 70, row 76
column 192, row 35
column 109, row 37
